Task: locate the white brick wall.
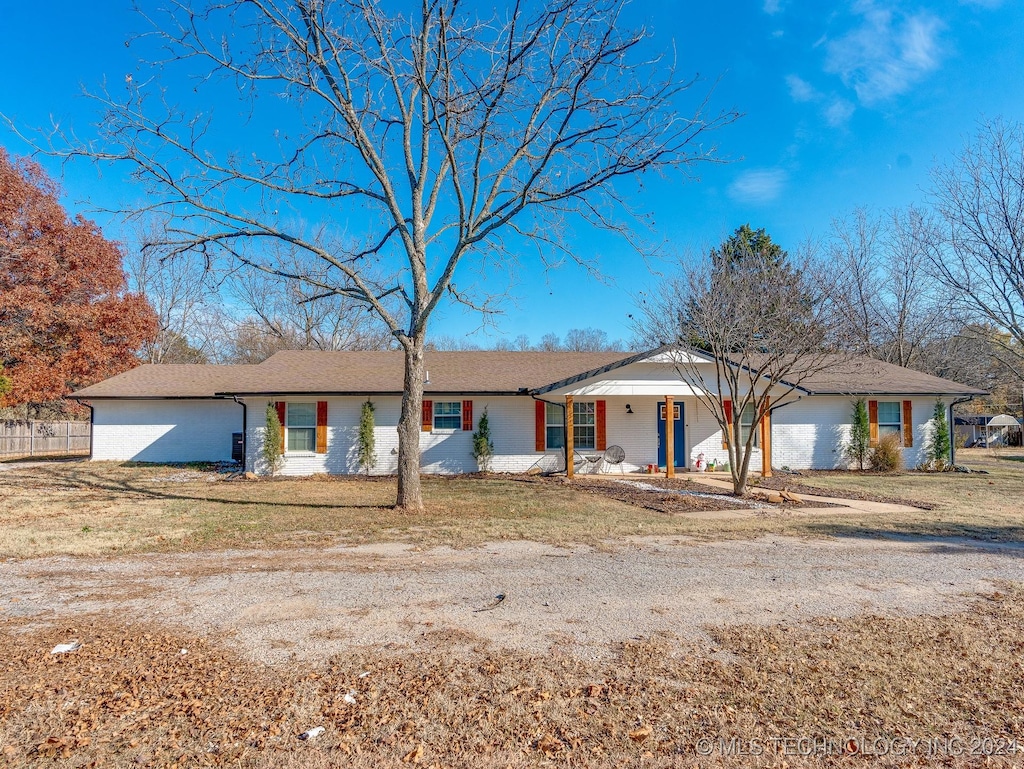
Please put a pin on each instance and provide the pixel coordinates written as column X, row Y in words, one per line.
column 805, row 434
column 164, row 430
column 811, row 432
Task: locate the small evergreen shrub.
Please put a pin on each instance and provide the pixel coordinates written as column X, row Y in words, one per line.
column 858, row 447
column 938, row 449
column 273, row 440
column 367, row 440
column 887, row 456
column 483, row 446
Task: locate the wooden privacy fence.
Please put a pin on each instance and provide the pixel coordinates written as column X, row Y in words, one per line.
column 37, row 438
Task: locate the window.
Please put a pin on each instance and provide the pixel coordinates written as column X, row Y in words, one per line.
column 554, row 426
column 447, row 415
column 584, row 431
column 300, row 427
column 889, row 419
column 747, row 424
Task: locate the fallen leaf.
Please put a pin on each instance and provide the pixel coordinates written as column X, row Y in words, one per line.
column 641, row 734
column 414, row 756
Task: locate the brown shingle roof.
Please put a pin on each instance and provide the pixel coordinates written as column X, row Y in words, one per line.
column 300, row 371
column 167, row 380
column 866, row 376
column 293, row 371
column 311, row 371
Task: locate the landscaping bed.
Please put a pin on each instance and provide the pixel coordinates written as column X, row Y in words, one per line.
column 803, row 483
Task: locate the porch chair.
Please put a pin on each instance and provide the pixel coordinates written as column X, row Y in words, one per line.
column 615, row 455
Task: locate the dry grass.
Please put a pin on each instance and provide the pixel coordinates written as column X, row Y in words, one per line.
column 130, row 698
column 90, row 508
column 981, row 506
column 95, row 508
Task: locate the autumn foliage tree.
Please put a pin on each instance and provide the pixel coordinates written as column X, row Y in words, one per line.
column 66, row 318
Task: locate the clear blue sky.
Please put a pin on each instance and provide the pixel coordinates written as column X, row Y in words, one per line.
column 845, row 104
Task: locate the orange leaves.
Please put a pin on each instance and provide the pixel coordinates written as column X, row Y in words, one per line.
column 66, row 319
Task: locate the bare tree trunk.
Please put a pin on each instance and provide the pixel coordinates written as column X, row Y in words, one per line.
column 410, row 493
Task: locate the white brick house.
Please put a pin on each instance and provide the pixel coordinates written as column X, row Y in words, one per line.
column 177, row 413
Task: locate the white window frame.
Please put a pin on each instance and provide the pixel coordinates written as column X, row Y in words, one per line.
column 289, row 426
column 551, row 411
column 579, row 410
column 457, row 415
column 889, row 426
column 746, row 426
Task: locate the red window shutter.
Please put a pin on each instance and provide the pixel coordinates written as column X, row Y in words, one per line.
column 601, row 433
column 727, row 410
column 321, row 427
column 428, row 416
column 467, row 416
column 282, row 412
column 540, row 425
column 908, row 423
column 873, row 423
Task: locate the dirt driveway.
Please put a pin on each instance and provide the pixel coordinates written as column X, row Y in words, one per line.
column 313, row 603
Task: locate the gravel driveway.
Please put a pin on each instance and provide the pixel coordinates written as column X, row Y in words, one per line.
column 316, row 602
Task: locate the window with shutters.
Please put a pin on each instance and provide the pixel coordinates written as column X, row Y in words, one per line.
column 300, row 427
column 889, row 415
column 554, row 426
column 447, row 415
column 584, row 429
column 747, row 424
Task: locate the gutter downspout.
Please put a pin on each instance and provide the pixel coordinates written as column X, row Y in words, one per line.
column 565, row 426
column 245, row 420
column 952, row 428
column 92, row 423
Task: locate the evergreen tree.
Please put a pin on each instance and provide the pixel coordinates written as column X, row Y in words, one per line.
column 938, row 451
column 273, row 440
column 483, row 446
column 859, row 445
column 367, row 440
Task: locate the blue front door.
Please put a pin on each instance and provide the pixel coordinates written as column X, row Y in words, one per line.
column 679, row 444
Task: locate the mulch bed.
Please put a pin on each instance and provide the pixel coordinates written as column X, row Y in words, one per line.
column 670, row 504
column 798, row 484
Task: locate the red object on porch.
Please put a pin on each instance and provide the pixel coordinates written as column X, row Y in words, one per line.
column 601, row 430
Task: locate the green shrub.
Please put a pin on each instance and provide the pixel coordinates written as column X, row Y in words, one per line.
column 887, row 456
column 938, row 448
column 273, row 440
column 367, row 440
column 858, row 447
column 483, row 446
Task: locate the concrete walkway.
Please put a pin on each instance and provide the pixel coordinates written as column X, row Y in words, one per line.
column 854, row 505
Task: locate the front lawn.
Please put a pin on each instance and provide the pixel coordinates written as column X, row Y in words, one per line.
column 92, row 508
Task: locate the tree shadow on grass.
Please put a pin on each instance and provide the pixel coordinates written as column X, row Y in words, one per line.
column 82, row 478
column 940, row 536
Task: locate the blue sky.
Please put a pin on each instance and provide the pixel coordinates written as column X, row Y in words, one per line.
column 844, row 104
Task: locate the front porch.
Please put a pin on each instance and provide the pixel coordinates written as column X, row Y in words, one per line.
column 637, row 424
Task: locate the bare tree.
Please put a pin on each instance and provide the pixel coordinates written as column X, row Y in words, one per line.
column 748, row 326
column 272, row 314
column 440, row 137
column 980, row 198
column 590, row 340
column 176, row 286
column 448, row 343
column 891, row 305
column 854, row 247
column 913, row 311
